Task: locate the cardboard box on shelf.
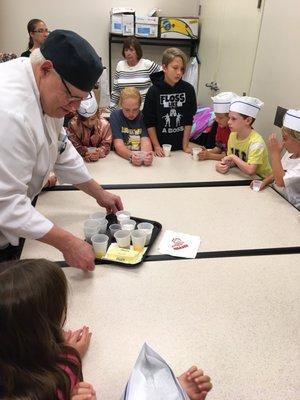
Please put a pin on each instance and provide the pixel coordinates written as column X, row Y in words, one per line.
column 179, row 27
column 122, row 20
column 146, row 26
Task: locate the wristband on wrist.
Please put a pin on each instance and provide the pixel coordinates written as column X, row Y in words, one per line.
column 130, row 159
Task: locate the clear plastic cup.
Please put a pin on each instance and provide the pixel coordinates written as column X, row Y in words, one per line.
column 90, row 228
column 122, row 216
column 98, row 216
column 147, row 228
column 128, row 225
column 99, row 242
column 138, row 238
column 256, row 184
column 196, row 151
column 167, row 149
column 141, row 154
column 113, row 228
column 123, row 239
column 103, row 225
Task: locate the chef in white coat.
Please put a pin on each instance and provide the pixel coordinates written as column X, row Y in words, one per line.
column 35, row 94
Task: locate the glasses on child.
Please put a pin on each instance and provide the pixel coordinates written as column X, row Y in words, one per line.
column 41, row 30
column 74, row 98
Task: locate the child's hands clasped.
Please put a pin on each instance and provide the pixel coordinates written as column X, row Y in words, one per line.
column 148, row 159
column 79, row 339
column 83, row 391
column 195, row 383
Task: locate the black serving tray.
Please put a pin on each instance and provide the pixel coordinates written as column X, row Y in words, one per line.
column 112, row 219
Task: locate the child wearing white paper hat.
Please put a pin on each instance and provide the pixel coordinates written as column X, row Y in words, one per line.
column 286, row 170
column 89, row 132
column 221, row 104
column 246, row 148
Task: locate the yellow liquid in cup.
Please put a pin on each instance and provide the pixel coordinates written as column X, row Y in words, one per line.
column 138, row 247
column 99, row 254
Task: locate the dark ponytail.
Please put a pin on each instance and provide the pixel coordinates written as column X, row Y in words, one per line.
column 31, row 28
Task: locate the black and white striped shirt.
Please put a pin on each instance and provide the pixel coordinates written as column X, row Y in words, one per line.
column 137, row 76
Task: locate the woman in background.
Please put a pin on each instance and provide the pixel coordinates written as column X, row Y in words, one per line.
column 38, row 33
column 133, row 71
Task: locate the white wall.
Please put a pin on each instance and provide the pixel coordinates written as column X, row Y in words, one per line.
column 89, row 18
column 276, row 76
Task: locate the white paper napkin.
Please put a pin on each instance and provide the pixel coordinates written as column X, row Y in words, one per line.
column 179, row 244
column 152, row 379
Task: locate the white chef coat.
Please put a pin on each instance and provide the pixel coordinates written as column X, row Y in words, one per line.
column 29, row 151
column 291, row 178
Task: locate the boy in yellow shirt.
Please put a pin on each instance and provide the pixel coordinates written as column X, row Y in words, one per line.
column 246, row 148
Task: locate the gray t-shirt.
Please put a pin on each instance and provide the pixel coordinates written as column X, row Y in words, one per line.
column 130, row 131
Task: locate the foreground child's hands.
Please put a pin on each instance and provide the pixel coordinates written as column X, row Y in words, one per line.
column 83, row 391
column 195, row 383
column 158, row 150
column 222, row 168
column 79, row 339
column 148, row 159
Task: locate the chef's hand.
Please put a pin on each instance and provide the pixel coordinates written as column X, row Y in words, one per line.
column 79, row 254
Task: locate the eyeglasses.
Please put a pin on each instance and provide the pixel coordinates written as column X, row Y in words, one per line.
column 74, row 98
column 41, row 31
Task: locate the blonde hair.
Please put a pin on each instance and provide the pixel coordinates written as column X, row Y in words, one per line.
column 291, row 132
column 171, row 53
column 130, row 93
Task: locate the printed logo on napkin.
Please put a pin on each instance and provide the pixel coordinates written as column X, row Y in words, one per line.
column 179, row 244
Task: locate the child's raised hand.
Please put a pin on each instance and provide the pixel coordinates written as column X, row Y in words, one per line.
column 83, row 391
column 273, row 144
column 195, row 383
column 79, row 339
column 158, row 150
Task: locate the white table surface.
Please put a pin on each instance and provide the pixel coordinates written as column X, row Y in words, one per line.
column 237, row 318
column 225, row 218
column 179, row 167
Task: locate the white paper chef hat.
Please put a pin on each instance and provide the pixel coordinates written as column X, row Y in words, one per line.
column 88, row 107
column 291, row 120
column 246, row 105
column 222, row 102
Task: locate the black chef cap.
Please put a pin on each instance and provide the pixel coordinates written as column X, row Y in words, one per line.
column 73, row 58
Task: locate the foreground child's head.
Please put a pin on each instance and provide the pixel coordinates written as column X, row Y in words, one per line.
column 221, row 104
column 243, row 112
column 33, row 304
column 130, row 102
column 88, row 111
column 291, row 131
column 174, row 65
